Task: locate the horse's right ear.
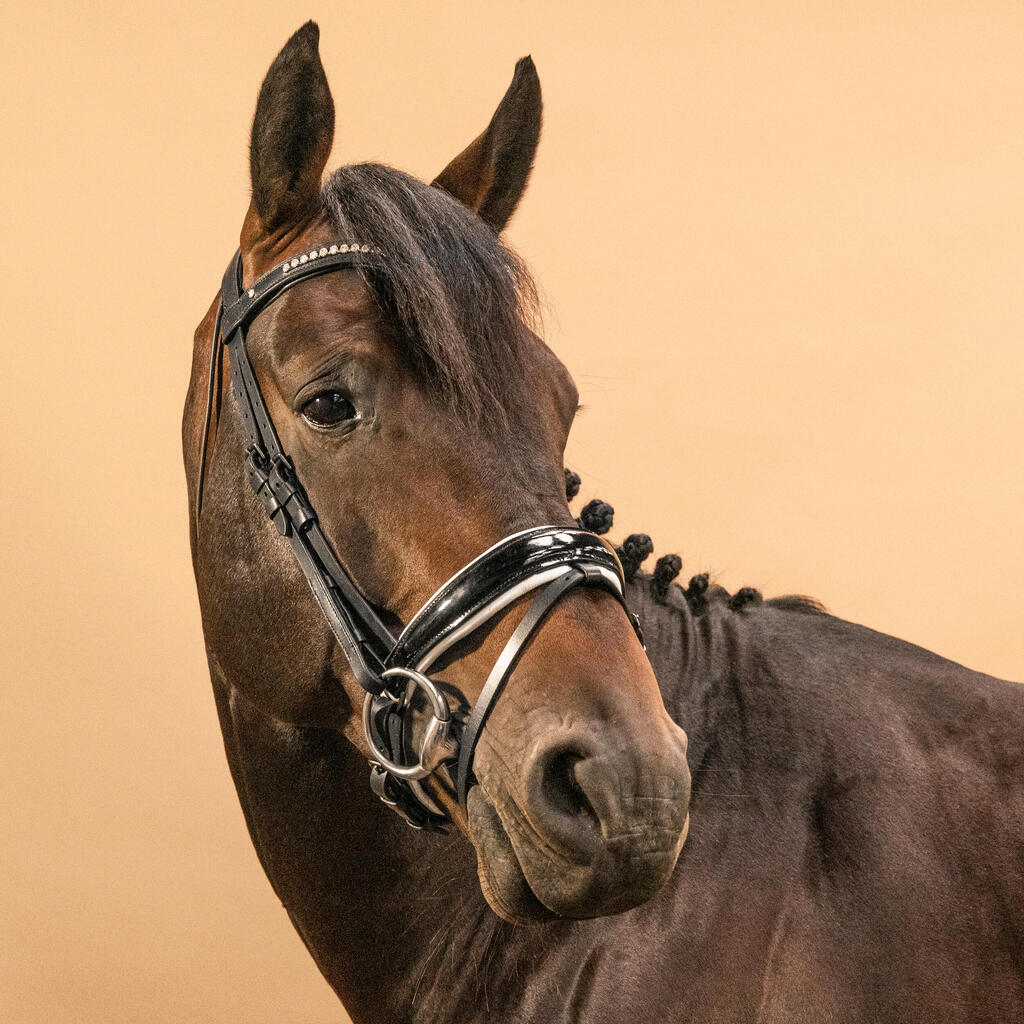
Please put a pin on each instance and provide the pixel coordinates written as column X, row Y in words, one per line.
column 292, row 133
column 490, row 174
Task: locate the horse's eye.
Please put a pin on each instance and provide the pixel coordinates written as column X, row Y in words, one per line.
column 328, row 409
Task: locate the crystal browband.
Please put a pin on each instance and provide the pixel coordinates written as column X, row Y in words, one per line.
column 327, row 250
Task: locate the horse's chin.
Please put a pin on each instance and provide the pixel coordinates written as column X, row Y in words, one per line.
column 501, row 878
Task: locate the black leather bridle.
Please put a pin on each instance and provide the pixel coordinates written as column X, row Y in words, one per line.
column 545, row 560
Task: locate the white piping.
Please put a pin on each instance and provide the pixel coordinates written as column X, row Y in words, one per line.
column 502, row 601
column 469, row 565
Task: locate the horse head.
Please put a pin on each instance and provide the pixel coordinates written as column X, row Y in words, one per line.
column 427, row 420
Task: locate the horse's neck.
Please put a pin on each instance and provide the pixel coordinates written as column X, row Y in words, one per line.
column 701, row 660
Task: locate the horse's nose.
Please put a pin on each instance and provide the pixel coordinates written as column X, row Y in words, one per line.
column 596, row 800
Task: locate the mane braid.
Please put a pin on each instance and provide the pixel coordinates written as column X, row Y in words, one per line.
column 596, row 516
column 463, row 303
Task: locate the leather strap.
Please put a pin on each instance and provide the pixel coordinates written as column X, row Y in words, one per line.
column 212, row 393
column 503, row 667
column 240, row 310
column 494, row 580
column 363, row 638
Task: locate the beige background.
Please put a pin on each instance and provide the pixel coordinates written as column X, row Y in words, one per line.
column 782, row 246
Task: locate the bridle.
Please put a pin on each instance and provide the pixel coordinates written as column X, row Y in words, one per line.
column 548, row 561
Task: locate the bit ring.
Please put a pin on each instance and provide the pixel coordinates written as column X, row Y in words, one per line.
column 438, row 743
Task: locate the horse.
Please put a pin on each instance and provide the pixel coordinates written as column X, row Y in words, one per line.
column 857, row 846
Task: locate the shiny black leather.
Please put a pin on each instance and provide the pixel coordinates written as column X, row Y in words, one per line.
column 244, row 308
column 494, row 573
column 358, row 629
column 528, row 625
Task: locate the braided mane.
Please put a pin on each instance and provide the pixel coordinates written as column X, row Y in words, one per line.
column 596, row 516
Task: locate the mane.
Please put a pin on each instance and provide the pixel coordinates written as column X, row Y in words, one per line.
column 460, row 298
column 700, row 593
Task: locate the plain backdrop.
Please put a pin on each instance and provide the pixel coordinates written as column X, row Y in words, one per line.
column 782, row 249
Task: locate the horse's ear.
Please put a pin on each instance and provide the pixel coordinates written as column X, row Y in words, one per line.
column 292, row 133
column 490, row 174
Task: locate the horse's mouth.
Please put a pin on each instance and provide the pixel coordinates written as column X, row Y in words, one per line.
column 502, row 880
column 508, row 891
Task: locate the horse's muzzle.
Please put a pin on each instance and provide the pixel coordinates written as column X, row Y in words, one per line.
column 589, row 821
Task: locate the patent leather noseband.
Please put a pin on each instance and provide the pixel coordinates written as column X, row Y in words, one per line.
column 545, row 561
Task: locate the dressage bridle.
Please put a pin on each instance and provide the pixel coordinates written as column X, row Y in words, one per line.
column 547, row 561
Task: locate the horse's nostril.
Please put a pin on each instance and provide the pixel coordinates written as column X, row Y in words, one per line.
column 562, row 792
column 561, row 786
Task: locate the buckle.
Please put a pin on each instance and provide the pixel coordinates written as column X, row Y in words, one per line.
column 402, row 800
column 276, row 485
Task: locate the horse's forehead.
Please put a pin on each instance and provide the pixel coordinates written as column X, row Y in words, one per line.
column 311, row 317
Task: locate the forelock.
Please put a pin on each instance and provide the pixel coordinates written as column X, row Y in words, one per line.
column 463, row 302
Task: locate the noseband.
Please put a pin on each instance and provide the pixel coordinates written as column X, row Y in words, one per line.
column 546, row 561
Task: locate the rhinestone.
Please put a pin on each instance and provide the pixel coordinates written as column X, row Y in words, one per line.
column 323, row 250
column 333, row 249
column 366, row 248
column 295, row 262
column 252, row 292
column 313, row 255
column 303, row 258
column 344, row 248
column 286, row 268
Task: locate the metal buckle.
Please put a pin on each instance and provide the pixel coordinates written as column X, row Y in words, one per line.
column 438, row 743
column 274, row 482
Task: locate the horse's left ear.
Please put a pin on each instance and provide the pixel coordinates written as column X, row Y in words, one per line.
column 490, row 174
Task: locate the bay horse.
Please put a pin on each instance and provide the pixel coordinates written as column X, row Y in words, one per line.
column 857, row 849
